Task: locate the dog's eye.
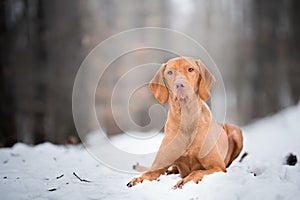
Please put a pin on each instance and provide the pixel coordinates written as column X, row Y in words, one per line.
column 170, row 72
column 190, row 69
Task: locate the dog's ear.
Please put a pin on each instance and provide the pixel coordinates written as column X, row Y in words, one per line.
column 158, row 87
column 206, row 82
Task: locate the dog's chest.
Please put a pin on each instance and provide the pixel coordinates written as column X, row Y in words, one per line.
column 188, row 162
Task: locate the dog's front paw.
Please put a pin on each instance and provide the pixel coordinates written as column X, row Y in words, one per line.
column 134, row 181
column 179, row 184
column 183, row 181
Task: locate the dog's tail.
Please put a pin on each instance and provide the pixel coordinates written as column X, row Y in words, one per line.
column 139, row 167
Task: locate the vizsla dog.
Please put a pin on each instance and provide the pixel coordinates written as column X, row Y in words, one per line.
column 194, row 143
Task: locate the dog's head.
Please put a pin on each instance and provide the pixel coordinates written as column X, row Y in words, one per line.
column 180, row 79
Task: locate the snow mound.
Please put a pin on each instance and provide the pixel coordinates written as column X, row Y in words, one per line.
column 49, row 171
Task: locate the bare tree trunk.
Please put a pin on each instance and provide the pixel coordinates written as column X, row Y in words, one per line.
column 8, row 135
column 294, row 68
column 40, row 88
column 267, row 77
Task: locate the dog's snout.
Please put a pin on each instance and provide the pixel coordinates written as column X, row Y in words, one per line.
column 179, row 84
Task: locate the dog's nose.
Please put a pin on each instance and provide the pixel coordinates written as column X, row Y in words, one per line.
column 179, row 84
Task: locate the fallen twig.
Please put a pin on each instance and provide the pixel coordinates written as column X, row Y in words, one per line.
column 58, row 177
column 82, row 180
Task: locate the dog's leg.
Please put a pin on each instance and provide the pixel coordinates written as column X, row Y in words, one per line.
column 235, row 139
column 148, row 175
column 211, row 163
column 197, row 176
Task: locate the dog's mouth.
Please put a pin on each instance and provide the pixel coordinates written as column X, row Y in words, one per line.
column 181, row 96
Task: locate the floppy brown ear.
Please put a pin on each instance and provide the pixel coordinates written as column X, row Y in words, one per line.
column 207, row 80
column 158, row 87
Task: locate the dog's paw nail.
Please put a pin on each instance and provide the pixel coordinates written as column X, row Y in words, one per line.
column 177, row 187
column 131, row 184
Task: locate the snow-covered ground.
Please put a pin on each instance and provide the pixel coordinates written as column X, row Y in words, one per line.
column 46, row 171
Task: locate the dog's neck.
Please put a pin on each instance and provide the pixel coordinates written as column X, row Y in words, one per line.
column 189, row 113
column 187, row 116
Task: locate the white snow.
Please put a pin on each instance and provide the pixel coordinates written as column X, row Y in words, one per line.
column 29, row 172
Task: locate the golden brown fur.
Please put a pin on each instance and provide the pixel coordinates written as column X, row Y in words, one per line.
column 194, row 143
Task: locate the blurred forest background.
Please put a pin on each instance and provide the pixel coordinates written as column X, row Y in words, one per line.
column 255, row 44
